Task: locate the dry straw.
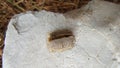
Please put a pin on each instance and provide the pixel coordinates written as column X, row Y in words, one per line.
column 8, row 8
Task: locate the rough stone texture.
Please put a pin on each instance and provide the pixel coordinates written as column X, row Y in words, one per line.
column 96, row 28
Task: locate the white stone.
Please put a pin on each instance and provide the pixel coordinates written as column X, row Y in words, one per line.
column 96, row 28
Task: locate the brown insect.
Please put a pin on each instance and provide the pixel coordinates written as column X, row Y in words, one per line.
column 60, row 40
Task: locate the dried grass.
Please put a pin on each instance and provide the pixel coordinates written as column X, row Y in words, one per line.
column 8, row 8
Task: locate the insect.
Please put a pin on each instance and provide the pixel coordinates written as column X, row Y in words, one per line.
column 60, row 40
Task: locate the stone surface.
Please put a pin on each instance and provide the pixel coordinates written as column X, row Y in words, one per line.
column 96, row 28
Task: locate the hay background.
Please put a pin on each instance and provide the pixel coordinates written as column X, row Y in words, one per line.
column 8, row 8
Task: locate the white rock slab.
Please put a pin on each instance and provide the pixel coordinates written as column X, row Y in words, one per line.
column 95, row 27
